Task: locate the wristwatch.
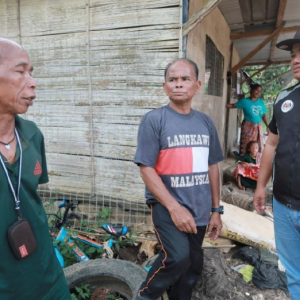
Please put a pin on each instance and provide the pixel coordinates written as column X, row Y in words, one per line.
column 219, row 209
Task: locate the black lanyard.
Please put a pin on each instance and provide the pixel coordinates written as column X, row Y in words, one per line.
column 16, row 196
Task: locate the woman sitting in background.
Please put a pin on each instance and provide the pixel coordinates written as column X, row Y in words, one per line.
column 247, row 167
column 254, row 111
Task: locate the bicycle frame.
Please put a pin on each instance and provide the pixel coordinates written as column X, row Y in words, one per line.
column 65, row 236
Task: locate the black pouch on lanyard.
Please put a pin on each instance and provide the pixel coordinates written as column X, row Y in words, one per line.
column 21, row 238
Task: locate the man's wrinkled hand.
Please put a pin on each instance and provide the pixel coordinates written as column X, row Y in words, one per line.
column 214, row 227
column 183, row 220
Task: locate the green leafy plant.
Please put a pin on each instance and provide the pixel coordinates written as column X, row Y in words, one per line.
column 69, row 258
column 127, row 239
column 103, row 216
column 114, row 297
column 82, row 292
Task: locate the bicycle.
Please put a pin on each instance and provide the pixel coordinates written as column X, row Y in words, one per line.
column 66, row 236
column 123, row 277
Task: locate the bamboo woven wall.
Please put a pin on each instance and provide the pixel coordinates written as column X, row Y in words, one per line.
column 99, row 67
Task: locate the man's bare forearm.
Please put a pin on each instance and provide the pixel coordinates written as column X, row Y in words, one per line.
column 265, row 170
column 181, row 217
column 214, row 179
column 157, row 188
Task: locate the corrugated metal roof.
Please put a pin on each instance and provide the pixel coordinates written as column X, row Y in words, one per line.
column 245, row 16
column 227, row 8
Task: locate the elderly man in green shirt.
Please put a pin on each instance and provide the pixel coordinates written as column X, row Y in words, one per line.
column 29, row 268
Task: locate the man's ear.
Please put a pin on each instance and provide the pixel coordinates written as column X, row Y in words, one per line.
column 164, row 87
column 198, row 83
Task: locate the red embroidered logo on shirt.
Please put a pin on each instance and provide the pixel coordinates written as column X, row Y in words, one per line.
column 37, row 169
column 23, row 251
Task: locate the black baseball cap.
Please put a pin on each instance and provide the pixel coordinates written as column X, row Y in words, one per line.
column 288, row 44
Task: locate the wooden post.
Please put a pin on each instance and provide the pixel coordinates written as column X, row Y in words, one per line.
column 228, row 98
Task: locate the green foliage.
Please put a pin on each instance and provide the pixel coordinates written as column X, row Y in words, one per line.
column 69, row 257
column 50, row 201
column 270, row 80
column 84, row 223
column 91, row 251
column 272, row 83
column 82, row 292
column 103, row 217
column 114, row 297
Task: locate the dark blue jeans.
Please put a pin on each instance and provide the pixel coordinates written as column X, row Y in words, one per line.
column 180, row 260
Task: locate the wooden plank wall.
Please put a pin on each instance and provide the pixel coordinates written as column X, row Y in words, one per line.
column 99, row 67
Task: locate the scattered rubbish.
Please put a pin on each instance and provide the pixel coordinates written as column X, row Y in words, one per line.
column 148, row 247
column 245, row 270
column 224, row 244
column 280, row 266
column 265, row 275
column 247, row 228
column 269, row 277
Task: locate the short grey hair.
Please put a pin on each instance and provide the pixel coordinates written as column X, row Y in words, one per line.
column 191, row 62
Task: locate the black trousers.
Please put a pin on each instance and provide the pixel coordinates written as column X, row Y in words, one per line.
column 180, row 260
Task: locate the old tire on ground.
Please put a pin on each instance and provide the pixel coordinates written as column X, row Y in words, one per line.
column 120, row 276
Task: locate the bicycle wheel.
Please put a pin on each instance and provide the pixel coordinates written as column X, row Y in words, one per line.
column 121, row 276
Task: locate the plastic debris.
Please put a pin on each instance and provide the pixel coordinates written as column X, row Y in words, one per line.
column 265, row 275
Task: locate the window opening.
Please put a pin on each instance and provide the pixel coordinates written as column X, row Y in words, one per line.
column 214, row 66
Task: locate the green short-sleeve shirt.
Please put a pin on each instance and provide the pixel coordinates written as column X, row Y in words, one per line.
column 253, row 110
column 38, row 276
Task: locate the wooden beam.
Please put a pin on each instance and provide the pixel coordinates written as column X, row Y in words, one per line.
column 260, row 63
column 195, row 19
column 252, row 23
column 254, row 51
column 258, row 71
column 281, row 10
column 273, row 44
column 259, row 33
column 280, row 13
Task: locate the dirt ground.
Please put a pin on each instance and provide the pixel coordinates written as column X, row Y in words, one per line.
column 220, row 282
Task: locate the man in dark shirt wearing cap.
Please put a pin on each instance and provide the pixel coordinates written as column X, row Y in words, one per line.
column 283, row 145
